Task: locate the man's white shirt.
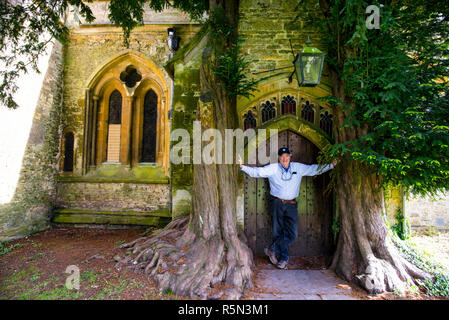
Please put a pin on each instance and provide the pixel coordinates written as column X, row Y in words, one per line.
column 284, row 188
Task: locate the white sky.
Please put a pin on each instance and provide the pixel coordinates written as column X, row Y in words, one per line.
column 15, row 127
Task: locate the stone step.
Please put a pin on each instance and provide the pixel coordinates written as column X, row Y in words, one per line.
column 300, row 285
column 158, row 218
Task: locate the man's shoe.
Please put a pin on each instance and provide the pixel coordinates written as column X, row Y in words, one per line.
column 282, row 265
column 271, row 255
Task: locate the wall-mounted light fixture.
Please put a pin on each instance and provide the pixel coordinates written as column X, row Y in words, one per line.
column 172, row 41
column 308, row 66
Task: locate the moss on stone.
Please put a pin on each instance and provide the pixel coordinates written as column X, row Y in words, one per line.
column 118, row 173
column 163, row 212
column 115, row 218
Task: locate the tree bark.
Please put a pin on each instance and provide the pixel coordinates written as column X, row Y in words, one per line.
column 210, row 248
column 192, row 254
column 365, row 254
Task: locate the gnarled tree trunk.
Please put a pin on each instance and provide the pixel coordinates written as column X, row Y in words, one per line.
column 190, row 256
column 365, row 254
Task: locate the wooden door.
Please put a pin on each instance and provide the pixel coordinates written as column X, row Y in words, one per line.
column 314, row 206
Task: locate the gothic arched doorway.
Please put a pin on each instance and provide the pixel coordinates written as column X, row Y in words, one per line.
column 315, row 208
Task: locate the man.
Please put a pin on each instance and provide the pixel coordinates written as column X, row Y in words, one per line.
column 285, row 180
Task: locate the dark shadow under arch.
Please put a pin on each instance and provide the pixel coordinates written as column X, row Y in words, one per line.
column 69, row 145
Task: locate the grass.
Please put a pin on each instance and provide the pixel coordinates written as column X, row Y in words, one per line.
column 112, row 289
column 17, row 286
column 89, row 276
column 36, row 245
column 36, row 271
column 59, row 294
column 4, row 249
column 27, row 284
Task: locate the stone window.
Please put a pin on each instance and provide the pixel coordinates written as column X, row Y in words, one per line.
column 69, row 144
column 307, row 112
column 126, row 115
column 149, row 129
column 326, row 122
column 288, row 105
column 268, row 111
column 249, row 121
column 130, row 76
column 114, row 126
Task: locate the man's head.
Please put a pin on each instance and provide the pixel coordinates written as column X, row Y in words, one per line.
column 284, row 157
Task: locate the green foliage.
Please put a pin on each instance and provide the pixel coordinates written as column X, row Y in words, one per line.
column 438, row 285
column 393, row 89
column 335, row 226
column 26, row 29
column 128, row 14
column 231, row 69
column 168, row 292
column 230, row 64
column 402, row 226
column 195, row 8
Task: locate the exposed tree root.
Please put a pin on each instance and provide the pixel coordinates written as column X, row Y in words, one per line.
column 365, row 254
column 389, row 273
column 189, row 266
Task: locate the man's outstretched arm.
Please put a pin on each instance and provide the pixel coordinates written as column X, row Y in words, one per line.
column 258, row 172
column 315, row 169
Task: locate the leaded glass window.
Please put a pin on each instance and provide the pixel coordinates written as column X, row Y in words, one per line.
column 326, row 122
column 307, row 112
column 268, row 111
column 288, row 105
column 149, row 127
column 249, row 120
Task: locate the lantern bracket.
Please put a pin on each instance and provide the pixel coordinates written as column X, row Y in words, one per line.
column 307, row 51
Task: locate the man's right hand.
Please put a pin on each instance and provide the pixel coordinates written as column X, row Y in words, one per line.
column 240, row 161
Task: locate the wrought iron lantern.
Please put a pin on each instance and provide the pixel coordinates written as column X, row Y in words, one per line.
column 309, row 65
column 172, row 40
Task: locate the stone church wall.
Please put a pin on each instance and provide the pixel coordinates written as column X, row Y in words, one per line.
column 91, row 46
column 424, row 212
column 30, row 209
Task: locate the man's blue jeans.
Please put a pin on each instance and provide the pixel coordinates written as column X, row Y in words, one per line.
column 284, row 222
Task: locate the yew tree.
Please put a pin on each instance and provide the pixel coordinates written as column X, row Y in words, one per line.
column 193, row 253
column 391, row 113
column 391, row 106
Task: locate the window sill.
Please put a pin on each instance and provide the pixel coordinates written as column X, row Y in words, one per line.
column 72, row 179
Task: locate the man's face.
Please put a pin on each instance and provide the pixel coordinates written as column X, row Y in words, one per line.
column 284, row 159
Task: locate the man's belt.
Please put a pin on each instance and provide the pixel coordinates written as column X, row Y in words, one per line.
column 284, row 201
